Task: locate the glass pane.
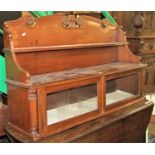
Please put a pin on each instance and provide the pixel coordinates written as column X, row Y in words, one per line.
column 71, row 103
column 123, row 88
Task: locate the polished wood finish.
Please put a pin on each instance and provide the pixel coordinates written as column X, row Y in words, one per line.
column 61, row 52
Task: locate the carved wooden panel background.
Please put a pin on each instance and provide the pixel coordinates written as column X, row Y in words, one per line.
column 140, row 29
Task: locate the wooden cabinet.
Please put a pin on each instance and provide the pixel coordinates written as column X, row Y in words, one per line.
column 72, row 78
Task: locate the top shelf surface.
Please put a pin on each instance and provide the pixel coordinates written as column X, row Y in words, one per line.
column 63, row 47
column 105, row 69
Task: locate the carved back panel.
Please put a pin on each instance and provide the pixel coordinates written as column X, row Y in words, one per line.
column 61, row 42
column 57, row 30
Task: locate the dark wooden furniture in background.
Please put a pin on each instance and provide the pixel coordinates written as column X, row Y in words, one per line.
column 3, row 117
column 72, row 78
column 140, row 29
column 5, row 16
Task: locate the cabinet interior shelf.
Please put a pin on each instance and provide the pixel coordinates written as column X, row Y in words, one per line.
column 71, row 110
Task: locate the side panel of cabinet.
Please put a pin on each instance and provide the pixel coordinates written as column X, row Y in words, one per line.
column 22, row 105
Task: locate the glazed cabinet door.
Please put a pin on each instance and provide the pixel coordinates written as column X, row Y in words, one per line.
column 123, row 89
column 70, row 103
